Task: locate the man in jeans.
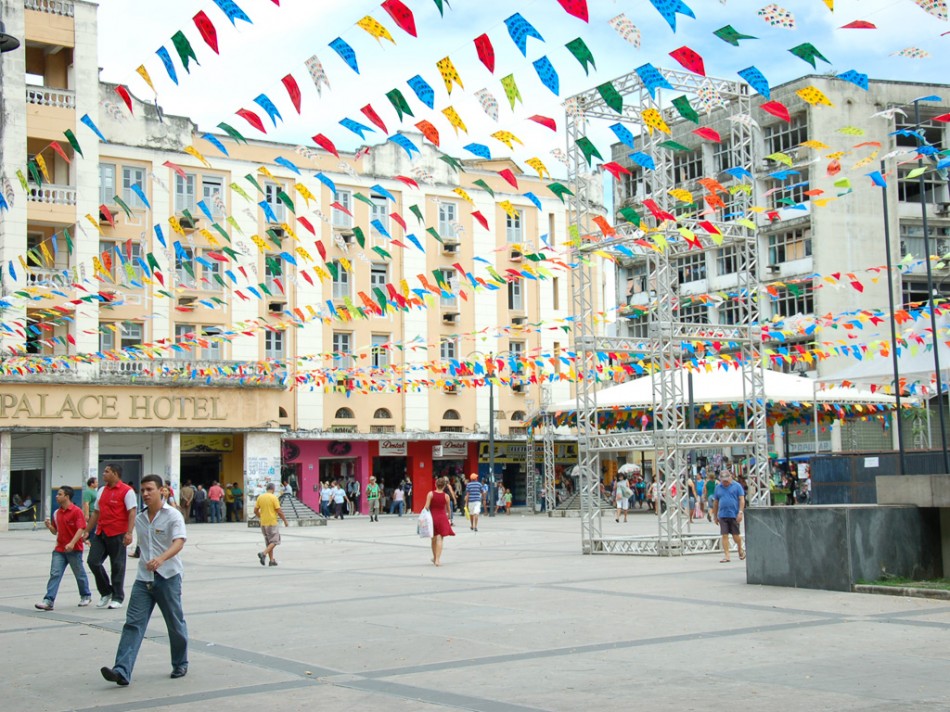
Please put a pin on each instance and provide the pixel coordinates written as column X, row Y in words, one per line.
column 161, row 534
column 372, row 499
column 216, row 498
column 109, row 532
column 68, row 524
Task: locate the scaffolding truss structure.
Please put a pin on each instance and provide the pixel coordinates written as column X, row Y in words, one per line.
column 672, row 433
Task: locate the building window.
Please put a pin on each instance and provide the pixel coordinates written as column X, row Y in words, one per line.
column 211, row 349
column 448, row 217
column 382, row 414
column 451, row 415
column 557, row 358
column 274, row 274
column 914, row 293
column 210, row 270
column 556, row 293
column 723, row 159
column 185, row 188
column 449, row 282
column 184, row 339
column 789, row 245
column 729, row 313
column 517, row 416
column 516, row 357
column 785, row 137
column 119, row 260
column 132, row 176
column 343, row 349
column 379, row 275
column 186, row 269
column 726, row 261
column 516, row 295
column 341, row 219
column 789, row 193
column 449, row 349
column 691, row 267
column 379, row 211
column 912, row 240
column 212, row 193
column 343, row 414
column 341, row 282
column 272, row 193
column 687, row 166
column 908, row 189
column 794, row 300
column 130, row 335
column 514, row 227
column 694, row 313
column 106, row 183
column 274, row 345
column 379, row 352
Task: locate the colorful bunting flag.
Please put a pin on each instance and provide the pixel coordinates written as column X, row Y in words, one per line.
column 520, row 30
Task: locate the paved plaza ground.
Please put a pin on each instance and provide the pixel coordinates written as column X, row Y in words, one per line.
column 356, row 618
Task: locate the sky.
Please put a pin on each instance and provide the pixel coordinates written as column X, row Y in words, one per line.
column 254, row 57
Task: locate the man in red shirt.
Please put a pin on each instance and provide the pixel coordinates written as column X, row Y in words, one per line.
column 110, row 532
column 68, row 525
column 216, row 496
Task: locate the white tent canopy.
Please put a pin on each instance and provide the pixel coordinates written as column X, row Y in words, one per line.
column 914, row 365
column 722, row 385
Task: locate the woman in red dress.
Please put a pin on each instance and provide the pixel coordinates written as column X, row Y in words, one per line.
column 438, row 505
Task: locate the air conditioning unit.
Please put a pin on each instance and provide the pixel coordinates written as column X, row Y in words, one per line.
column 275, row 307
column 189, row 223
column 518, row 388
column 515, row 255
column 772, row 269
column 450, row 317
column 347, row 236
column 278, row 232
column 187, row 301
column 943, row 210
column 450, row 388
column 518, row 322
column 450, row 248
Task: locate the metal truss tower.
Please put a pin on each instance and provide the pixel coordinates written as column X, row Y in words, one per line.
column 671, row 434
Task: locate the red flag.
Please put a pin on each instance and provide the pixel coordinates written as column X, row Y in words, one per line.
column 690, row 60
column 859, row 25
column 776, row 108
column 509, row 176
column 544, row 121
column 290, row 84
column 370, row 113
column 126, row 97
column 175, row 167
column 708, row 134
column 326, row 144
column 401, row 15
column 252, row 118
column 321, row 249
column 397, row 218
column 486, row 53
column 575, row 8
column 306, row 223
column 59, row 149
column 104, row 211
column 208, row 33
column 615, row 169
column 481, row 219
column 408, row 181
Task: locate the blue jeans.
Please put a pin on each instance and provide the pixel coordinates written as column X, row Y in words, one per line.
column 401, row 506
column 217, row 516
column 58, row 567
column 325, row 507
column 166, row 594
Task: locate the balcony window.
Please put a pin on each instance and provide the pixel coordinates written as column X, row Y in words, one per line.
column 120, row 335
column 449, row 282
column 687, row 166
column 186, row 270
column 691, row 267
column 185, row 188
column 271, row 197
column 727, row 261
column 380, row 212
column 789, row 245
column 133, row 176
column 516, row 295
column 122, row 258
column 106, row 183
column 793, row 301
column 379, row 275
column 695, row 313
column 184, row 338
column 274, row 272
column 343, row 349
column 341, row 282
column 785, row 137
column 514, row 227
column 275, row 345
column 448, row 349
column 341, row 219
column 212, row 351
column 448, row 219
column 912, row 240
column 212, row 193
column 380, row 354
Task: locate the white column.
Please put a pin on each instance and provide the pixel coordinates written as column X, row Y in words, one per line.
column 173, row 460
column 261, row 465
column 6, row 444
column 90, row 456
column 778, row 441
column 836, row 436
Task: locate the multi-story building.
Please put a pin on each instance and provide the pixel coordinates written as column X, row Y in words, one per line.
column 821, row 220
column 272, row 311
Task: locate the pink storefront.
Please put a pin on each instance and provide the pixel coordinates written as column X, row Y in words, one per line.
column 324, row 460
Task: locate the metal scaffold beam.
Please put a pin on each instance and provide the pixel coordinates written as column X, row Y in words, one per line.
column 671, row 433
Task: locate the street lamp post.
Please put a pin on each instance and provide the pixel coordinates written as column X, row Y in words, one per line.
column 490, row 369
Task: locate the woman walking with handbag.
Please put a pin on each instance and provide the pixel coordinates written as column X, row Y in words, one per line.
column 438, row 505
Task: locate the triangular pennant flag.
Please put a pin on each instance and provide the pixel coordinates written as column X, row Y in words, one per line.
column 232, row 132
column 623, row 134
column 731, row 35
column 547, row 74
column 293, row 90
column 588, row 148
column 449, row 74
column 167, row 62
column 690, row 60
column 356, row 127
column 755, row 79
column 233, row 12
column 520, row 30
column 511, row 90
column 346, row 53
column 401, row 15
column 685, row 109
column 252, row 118
column 575, row 8
column 126, row 97
column 207, row 31
column 486, row 52
column 267, row 105
column 808, row 53
column 143, row 72
column 317, row 74
column 423, row 90
column 652, row 79
column 184, row 49
column 405, row 144
column 454, row 119
column 375, row 29
column 399, row 103
column 370, row 113
column 611, row 97
column 581, row 53
column 669, row 8
column 430, row 132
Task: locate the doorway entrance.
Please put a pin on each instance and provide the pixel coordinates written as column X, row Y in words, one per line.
column 202, row 469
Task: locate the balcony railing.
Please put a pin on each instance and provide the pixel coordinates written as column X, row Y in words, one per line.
column 147, row 372
column 54, row 7
column 53, row 194
column 43, row 96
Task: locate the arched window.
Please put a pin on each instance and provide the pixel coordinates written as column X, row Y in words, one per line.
column 518, row 416
column 281, row 412
column 344, row 414
column 451, row 415
column 382, row 414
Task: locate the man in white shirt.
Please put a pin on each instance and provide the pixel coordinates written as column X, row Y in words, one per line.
column 160, row 531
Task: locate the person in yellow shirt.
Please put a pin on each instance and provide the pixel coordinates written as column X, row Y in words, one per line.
column 229, row 504
column 267, row 509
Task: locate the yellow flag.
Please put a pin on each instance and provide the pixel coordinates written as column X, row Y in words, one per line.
column 261, row 245
column 143, row 72
column 303, row 253
column 41, row 164
column 192, row 151
column 47, row 255
column 450, row 75
column 537, row 164
column 814, row 96
column 817, row 145
column 321, row 273
column 94, row 223
column 654, row 120
column 206, row 234
column 375, row 29
column 305, row 193
column 263, row 169
column 779, row 157
column 288, row 230
column 346, row 264
column 454, row 119
column 176, row 226
column 463, row 195
column 682, row 195
column 509, row 208
column 506, row 137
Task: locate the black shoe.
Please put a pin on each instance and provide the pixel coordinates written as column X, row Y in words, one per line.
column 262, row 557
column 111, row 675
column 179, row 672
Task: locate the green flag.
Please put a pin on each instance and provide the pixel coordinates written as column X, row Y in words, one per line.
column 612, row 97
column 581, row 53
column 685, row 109
column 184, row 49
column 399, row 103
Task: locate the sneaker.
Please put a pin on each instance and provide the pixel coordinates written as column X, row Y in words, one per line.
column 115, row 604
column 46, row 605
column 272, row 563
column 85, row 601
column 104, row 601
column 261, row 557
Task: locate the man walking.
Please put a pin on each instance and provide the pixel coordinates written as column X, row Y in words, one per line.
column 161, row 534
column 475, row 497
column 216, row 499
column 68, row 524
column 199, row 506
column 109, row 532
column 728, row 505
column 89, row 493
column 267, row 509
column 372, row 499
column 186, row 495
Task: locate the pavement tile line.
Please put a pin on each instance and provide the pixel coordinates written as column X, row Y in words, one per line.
column 171, row 701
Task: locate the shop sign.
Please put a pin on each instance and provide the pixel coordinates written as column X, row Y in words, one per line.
column 392, row 448
column 207, row 443
column 450, row 450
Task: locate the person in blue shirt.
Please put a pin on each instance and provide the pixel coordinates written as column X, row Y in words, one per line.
column 728, row 505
